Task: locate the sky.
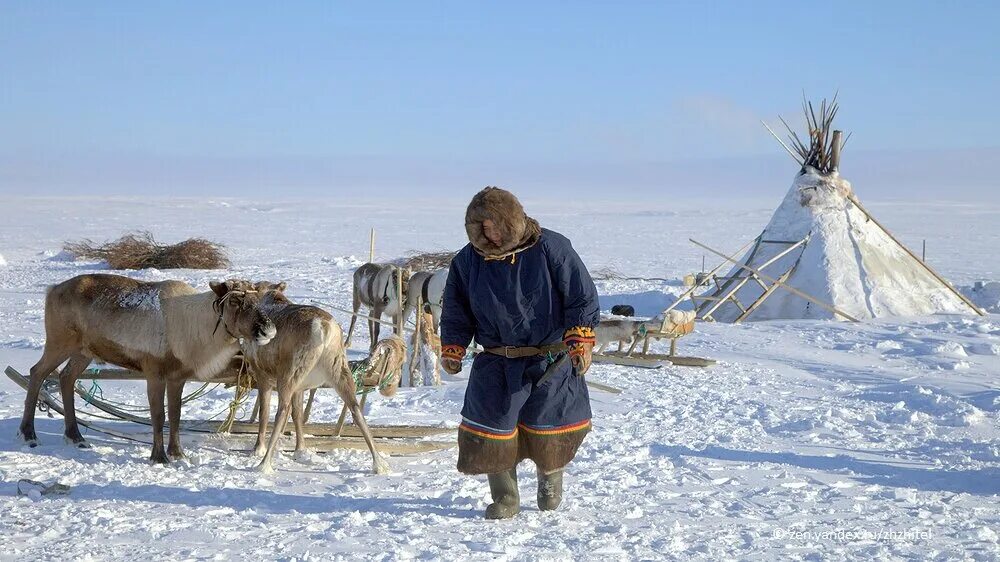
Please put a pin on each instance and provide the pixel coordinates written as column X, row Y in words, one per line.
column 569, row 99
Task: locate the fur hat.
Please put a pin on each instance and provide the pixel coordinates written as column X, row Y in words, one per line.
column 517, row 230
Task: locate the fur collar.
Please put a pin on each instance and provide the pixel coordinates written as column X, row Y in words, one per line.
column 518, row 230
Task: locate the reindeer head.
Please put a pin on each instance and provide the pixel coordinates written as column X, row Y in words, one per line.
column 238, row 304
column 272, row 294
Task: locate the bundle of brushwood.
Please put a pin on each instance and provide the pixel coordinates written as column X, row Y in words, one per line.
column 426, row 261
column 140, row 251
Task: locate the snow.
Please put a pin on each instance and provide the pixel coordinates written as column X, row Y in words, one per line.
column 985, row 295
column 847, row 262
column 809, row 440
column 3, row 262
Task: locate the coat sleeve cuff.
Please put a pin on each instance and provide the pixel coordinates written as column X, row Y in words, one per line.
column 579, row 338
column 454, row 352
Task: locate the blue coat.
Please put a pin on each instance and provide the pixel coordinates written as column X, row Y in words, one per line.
column 530, row 302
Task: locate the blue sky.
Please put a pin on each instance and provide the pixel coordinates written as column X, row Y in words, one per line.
column 321, row 98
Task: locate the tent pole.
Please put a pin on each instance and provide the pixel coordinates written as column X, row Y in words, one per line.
column 965, row 299
column 770, row 279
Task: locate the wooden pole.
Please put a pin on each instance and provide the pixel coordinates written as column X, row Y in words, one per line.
column 695, row 287
column 371, row 246
column 770, row 279
column 730, row 294
column 965, row 299
column 415, row 355
column 399, row 299
column 835, row 151
column 399, row 314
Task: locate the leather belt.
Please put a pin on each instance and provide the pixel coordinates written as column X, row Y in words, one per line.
column 514, row 352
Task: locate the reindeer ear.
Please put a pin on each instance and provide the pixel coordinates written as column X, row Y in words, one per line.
column 280, row 286
column 219, row 287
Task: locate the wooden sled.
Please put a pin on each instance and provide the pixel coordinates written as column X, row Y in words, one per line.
column 215, row 426
column 389, row 447
column 315, row 429
column 667, row 329
column 389, row 439
column 622, row 358
column 650, row 360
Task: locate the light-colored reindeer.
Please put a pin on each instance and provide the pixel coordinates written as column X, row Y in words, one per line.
column 428, row 288
column 167, row 330
column 377, row 286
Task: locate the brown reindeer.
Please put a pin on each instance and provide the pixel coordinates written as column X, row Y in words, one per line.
column 307, row 353
column 167, row 330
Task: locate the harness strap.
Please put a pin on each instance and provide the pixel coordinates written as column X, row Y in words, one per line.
column 385, row 290
column 220, row 305
column 425, row 289
column 369, row 292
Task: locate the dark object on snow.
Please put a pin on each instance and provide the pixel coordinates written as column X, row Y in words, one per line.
column 506, row 499
column 140, row 251
column 623, row 310
column 29, row 488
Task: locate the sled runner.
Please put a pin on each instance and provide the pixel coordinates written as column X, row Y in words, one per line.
column 392, row 439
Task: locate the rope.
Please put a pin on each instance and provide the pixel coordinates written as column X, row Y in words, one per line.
column 96, row 392
column 244, row 383
column 362, row 367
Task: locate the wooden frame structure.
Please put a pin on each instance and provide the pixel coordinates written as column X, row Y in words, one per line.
column 391, row 439
column 728, row 286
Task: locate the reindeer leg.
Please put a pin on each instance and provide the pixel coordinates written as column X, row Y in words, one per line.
column 155, row 387
column 51, row 358
column 67, row 383
column 280, row 419
column 374, row 328
column 379, row 465
column 264, row 399
column 175, row 392
column 309, row 406
column 408, row 309
column 354, row 318
column 256, row 408
column 300, row 439
column 340, row 422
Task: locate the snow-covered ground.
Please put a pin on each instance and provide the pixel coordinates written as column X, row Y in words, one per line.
column 809, row 440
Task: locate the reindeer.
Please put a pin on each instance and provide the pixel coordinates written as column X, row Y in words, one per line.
column 167, row 330
column 429, row 287
column 307, row 353
column 619, row 330
column 377, row 287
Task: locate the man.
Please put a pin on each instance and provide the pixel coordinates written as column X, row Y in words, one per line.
column 524, row 294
